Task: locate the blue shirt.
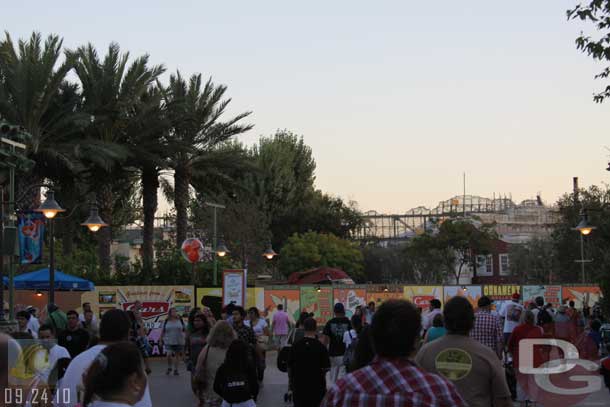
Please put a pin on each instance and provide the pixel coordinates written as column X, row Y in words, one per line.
column 436, row 332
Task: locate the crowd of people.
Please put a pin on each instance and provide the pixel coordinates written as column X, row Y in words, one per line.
column 388, row 355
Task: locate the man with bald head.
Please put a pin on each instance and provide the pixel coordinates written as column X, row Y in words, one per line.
column 9, row 352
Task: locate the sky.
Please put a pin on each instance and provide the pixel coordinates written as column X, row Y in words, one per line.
column 396, row 98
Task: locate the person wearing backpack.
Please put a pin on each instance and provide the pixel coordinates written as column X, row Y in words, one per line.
column 512, row 316
column 236, row 381
column 350, row 339
column 173, row 338
column 308, row 364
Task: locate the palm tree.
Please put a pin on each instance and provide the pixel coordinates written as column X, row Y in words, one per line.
column 195, row 110
column 148, row 150
column 34, row 94
column 112, row 93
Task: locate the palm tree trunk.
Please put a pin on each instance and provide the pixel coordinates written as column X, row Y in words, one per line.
column 104, row 235
column 182, row 180
column 150, row 185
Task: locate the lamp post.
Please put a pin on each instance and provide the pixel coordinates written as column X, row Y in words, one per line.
column 50, row 208
column 215, row 206
column 269, row 254
column 585, row 229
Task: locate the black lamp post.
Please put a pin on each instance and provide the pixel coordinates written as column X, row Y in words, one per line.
column 585, row 229
column 50, row 208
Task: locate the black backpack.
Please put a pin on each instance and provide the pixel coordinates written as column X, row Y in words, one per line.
column 236, row 388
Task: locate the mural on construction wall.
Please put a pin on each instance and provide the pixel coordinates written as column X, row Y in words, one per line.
column 350, row 298
column 290, row 299
column 500, row 294
column 378, row 297
column 582, row 295
column 156, row 302
column 318, row 301
column 550, row 293
column 420, row 295
column 255, row 296
column 471, row 292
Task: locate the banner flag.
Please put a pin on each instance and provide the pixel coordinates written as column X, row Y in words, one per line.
column 31, row 235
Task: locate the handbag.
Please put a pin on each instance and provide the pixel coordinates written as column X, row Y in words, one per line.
column 200, row 376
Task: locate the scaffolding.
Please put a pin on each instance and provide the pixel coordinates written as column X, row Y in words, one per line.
column 380, row 227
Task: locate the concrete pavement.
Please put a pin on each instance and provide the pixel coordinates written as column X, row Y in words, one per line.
column 175, row 391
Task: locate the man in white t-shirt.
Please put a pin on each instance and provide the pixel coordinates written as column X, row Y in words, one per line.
column 87, row 308
column 33, row 323
column 435, row 308
column 512, row 315
column 59, row 357
column 114, row 327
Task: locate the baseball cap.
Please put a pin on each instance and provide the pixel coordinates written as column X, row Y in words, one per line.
column 339, row 308
column 516, row 296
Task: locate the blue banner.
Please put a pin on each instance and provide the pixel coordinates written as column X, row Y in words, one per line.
column 31, row 235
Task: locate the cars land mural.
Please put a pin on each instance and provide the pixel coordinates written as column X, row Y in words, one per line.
column 550, row 293
column 582, row 295
column 156, row 302
column 420, row 295
column 317, row 301
column 350, row 298
column 471, row 292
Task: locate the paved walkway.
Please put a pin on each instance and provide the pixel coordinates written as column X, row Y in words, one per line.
column 175, row 391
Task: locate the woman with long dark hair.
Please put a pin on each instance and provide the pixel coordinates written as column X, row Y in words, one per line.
column 236, row 380
column 116, row 377
column 196, row 340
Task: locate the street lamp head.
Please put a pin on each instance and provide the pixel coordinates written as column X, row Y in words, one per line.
column 583, row 226
column 269, row 253
column 94, row 222
column 222, row 250
column 50, row 207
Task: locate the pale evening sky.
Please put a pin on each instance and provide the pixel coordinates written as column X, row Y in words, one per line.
column 396, row 98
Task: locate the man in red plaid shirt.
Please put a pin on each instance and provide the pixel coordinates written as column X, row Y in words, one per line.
column 391, row 379
column 487, row 327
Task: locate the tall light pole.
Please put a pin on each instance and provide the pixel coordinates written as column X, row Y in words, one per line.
column 215, row 206
column 585, row 229
column 50, row 208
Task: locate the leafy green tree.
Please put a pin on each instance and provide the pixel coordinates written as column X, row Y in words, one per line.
column 196, row 113
column 311, row 250
column 455, row 245
column 534, row 262
column 596, row 201
column 596, row 12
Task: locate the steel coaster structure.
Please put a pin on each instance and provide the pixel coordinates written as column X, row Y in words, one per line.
column 384, row 227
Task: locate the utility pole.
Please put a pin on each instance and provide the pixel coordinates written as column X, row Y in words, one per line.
column 215, row 206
